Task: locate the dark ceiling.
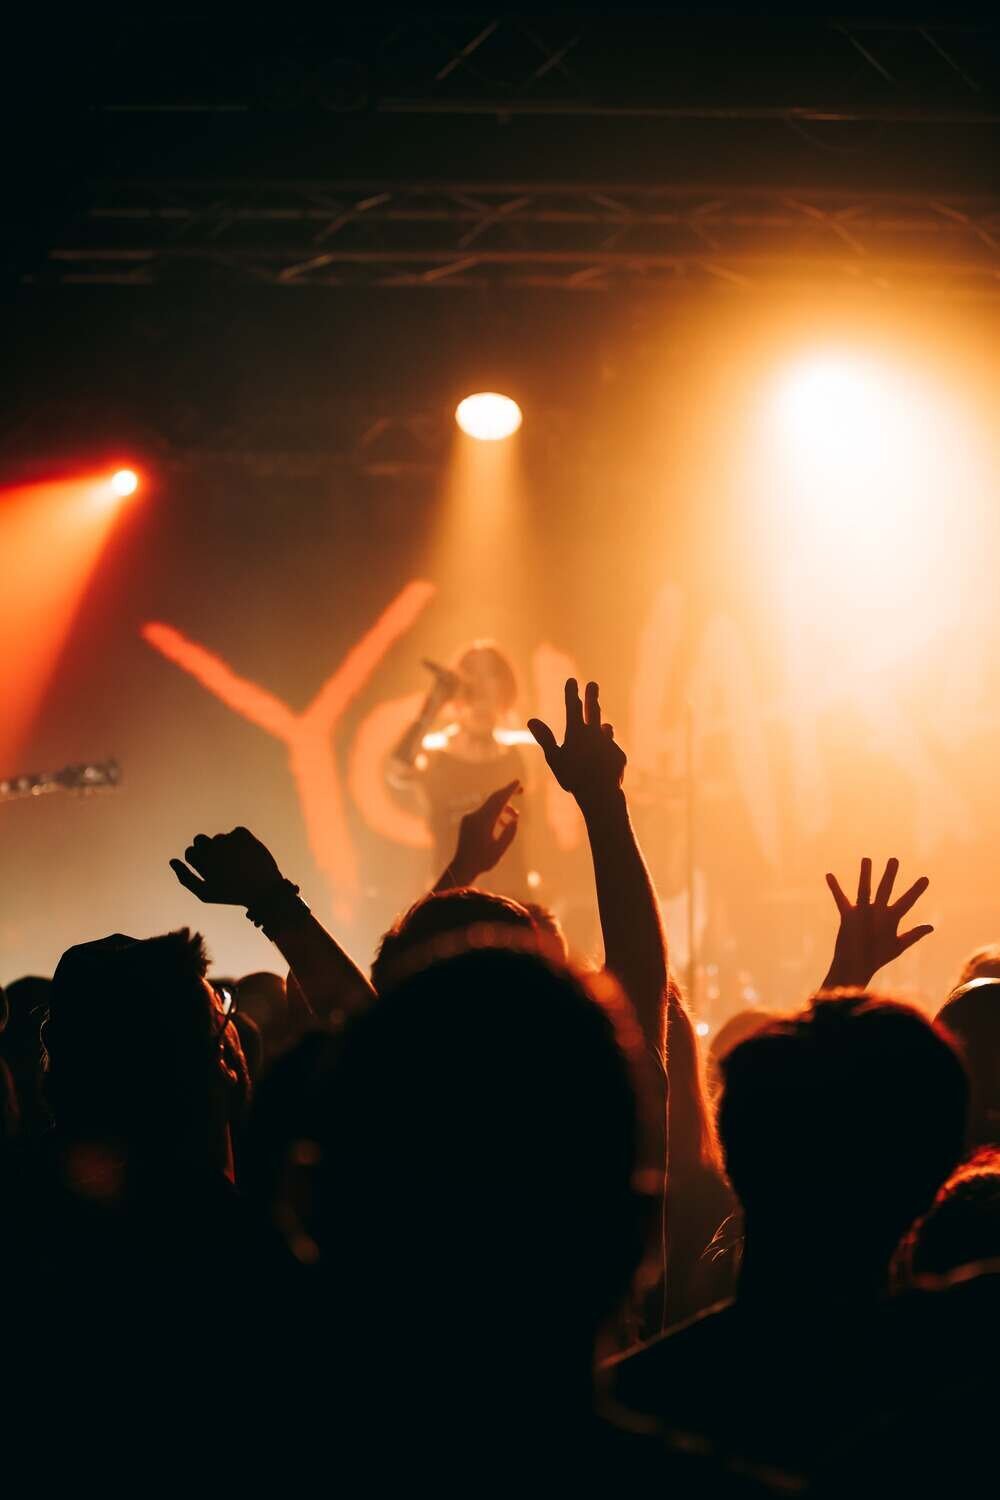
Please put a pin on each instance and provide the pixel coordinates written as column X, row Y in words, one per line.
column 231, row 184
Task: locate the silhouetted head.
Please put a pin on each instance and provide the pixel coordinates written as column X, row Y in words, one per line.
column 489, row 687
column 139, row 1051
column 962, row 1227
column 551, row 938
column 982, row 963
column 264, row 998
column 745, row 1023
column 482, row 1146
column 25, row 1010
column 441, row 921
column 281, row 1116
column 971, row 1015
column 21, row 1048
column 839, row 1125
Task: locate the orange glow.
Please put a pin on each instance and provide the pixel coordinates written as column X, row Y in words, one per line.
column 51, row 537
column 488, row 416
column 481, row 531
column 478, row 551
column 125, row 482
column 874, row 486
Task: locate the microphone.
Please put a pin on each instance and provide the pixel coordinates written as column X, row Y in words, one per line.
column 448, row 681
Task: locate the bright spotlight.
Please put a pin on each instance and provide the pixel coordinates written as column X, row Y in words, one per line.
column 702, row 1028
column 872, row 496
column 836, row 401
column 488, row 416
column 124, row 482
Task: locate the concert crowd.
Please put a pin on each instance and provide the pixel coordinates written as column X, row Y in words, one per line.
column 485, row 1219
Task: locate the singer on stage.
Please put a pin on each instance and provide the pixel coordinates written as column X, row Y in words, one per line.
column 453, row 769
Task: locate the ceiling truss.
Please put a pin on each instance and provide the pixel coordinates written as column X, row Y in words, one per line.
column 572, row 236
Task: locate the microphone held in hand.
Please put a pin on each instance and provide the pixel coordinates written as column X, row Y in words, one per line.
column 448, row 682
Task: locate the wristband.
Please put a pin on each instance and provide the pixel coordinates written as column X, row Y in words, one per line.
column 278, row 906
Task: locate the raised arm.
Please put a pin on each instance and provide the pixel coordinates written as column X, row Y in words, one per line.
column 867, row 938
column 402, row 768
column 236, row 869
column 590, row 765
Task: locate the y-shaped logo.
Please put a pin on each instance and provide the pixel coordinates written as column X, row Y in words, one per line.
column 307, row 735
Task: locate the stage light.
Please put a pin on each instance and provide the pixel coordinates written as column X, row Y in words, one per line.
column 830, row 395
column 702, row 1028
column 124, row 482
column 846, row 417
column 853, row 462
column 488, row 416
column 52, row 536
column 870, row 481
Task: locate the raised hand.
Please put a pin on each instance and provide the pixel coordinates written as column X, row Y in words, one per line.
column 588, row 763
column 868, row 938
column 231, row 869
column 236, row 869
column 484, row 836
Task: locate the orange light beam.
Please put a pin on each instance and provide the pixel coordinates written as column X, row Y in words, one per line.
column 51, row 538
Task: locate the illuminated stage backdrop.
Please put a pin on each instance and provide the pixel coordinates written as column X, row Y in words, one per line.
column 774, row 555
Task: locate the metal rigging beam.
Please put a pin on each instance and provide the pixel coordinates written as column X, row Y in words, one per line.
column 577, row 236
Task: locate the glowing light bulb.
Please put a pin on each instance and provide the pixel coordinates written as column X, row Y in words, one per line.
column 488, row 416
column 125, row 482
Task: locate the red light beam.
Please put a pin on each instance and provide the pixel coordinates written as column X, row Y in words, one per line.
column 51, row 537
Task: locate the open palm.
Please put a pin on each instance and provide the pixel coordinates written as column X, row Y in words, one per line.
column 868, row 937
